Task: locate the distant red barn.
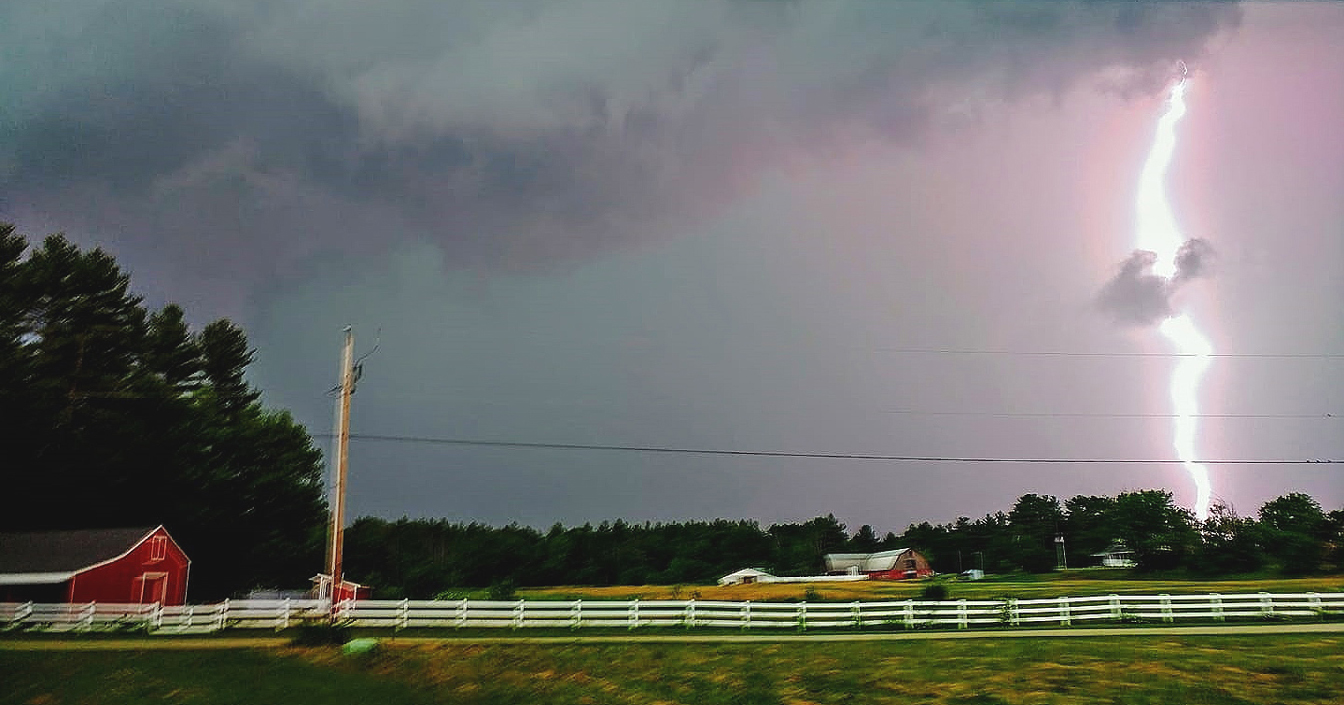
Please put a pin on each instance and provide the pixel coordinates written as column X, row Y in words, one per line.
column 884, row 565
column 93, row 565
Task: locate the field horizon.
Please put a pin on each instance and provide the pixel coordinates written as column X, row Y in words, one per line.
column 1082, row 583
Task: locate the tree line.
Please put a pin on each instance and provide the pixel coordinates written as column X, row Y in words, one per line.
column 115, row 415
column 420, row 558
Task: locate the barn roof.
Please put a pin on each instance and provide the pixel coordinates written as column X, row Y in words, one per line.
column 51, row 552
column 864, row 562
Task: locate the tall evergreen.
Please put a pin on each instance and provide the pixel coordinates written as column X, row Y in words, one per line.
column 118, row 416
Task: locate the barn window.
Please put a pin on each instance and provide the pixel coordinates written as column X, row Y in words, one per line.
column 158, row 548
column 910, row 564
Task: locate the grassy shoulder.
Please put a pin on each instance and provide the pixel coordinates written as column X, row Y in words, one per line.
column 1224, row 670
column 1080, row 583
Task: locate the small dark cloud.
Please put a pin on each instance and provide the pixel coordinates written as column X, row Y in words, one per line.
column 1194, row 260
column 1137, row 297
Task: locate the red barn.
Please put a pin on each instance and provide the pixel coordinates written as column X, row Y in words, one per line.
column 883, row 565
column 93, row 565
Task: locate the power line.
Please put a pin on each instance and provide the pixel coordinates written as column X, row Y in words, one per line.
column 1062, row 414
column 1067, row 353
column 820, row 456
column 563, row 403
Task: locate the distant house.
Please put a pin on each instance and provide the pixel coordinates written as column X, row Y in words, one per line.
column 93, row 565
column 896, row 564
column 746, row 576
column 1117, row 555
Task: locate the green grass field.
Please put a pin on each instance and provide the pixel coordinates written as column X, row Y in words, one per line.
column 1128, row 669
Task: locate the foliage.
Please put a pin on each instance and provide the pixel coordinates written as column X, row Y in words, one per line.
column 320, row 633
column 1298, row 528
column 1035, row 520
column 139, row 421
column 1161, row 534
column 933, row 591
column 420, row 558
column 503, row 590
column 1229, row 543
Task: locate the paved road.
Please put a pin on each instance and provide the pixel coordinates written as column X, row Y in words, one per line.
column 169, row 642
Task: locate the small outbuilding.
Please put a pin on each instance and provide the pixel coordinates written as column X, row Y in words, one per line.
column 746, row 576
column 1117, row 555
column 141, row 566
column 896, row 564
column 346, row 590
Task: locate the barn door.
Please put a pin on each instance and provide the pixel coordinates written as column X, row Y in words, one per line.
column 153, row 588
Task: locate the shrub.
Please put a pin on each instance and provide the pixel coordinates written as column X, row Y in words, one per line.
column 503, row 590
column 933, row 591
column 320, row 633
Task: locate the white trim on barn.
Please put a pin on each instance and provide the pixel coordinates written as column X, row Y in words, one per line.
column 35, row 578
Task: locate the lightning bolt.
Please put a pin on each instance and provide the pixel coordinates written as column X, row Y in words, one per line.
column 1158, row 233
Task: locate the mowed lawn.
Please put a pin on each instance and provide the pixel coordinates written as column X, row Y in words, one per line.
column 1122, row 669
column 1067, row 584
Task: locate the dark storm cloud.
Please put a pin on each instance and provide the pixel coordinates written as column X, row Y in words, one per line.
column 237, row 137
column 1194, row 260
column 1136, row 296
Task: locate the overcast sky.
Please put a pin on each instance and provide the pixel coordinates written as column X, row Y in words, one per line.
column 731, row 224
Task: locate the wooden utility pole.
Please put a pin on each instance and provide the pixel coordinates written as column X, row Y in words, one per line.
column 341, row 460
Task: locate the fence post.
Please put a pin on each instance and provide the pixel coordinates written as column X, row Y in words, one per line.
column 576, row 615
column 87, row 619
column 186, row 623
column 1164, row 602
column 909, row 618
column 1014, row 617
column 1065, row 616
column 746, row 615
column 1216, row 602
column 690, row 613
column 1116, row 612
column 461, row 620
column 962, row 622
column 801, row 618
column 282, row 614
column 1266, row 604
column 633, row 613
column 857, row 611
column 1314, row 604
column 403, row 614
column 518, row 614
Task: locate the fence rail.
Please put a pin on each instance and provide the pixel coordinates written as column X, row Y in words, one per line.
column 633, row 614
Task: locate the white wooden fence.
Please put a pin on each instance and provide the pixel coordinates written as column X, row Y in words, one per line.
column 574, row 614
